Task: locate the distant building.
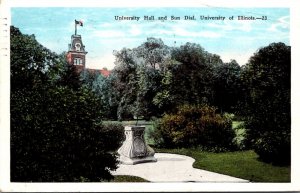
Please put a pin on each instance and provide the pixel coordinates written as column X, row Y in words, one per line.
column 103, row 71
column 76, row 53
column 76, row 56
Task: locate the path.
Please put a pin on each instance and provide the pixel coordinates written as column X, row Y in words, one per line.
column 173, row 168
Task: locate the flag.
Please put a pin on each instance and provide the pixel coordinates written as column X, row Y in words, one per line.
column 79, row 23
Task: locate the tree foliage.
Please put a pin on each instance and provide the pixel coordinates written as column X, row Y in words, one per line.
column 268, row 76
column 56, row 136
column 137, row 79
column 56, row 130
column 227, row 86
column 30, row 61
column 192, row 77
column 154, row 79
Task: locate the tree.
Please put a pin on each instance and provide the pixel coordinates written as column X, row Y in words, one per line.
column 268, row 77
column 103, row 87
column 193, row 76
column 153, row 78
column 227, row 86
column 138, row 76
column 56, row 130
column 30, row 61
column 125, row 82
column 153, row 53
column 67, row 74
column 165, row 99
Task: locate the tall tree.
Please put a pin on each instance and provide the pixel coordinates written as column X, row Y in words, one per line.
column 153, row 53
column 126, row 81
column 138, row 76
column 56, row 131
column 30, row 61
column 268, row 77
column 193, row 74
column 227, row 86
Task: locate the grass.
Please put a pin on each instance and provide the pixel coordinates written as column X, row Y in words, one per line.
column 241, row 164
column 123, row 178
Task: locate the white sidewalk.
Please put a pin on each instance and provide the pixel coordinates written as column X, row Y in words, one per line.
column 173, row 168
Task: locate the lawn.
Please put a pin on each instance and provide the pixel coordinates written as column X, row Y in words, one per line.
column 123, row 178
column 240, row 164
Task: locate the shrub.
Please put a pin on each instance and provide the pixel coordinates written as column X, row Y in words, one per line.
column 240, row 136
column 267, row 77
column 57, row 136
column 114, row 134
column 274, row 147
column 193, row 126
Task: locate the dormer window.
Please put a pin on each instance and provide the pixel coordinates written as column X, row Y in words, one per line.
column 77, row 46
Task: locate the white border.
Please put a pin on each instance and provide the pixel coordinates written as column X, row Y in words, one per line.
column 5, row 184
column 152, row 3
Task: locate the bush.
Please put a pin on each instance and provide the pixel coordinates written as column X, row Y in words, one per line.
column 193, row 126
column 114, row 134
column 57, row 136
column 274, row 147
column 268, row 124
column 240, row 135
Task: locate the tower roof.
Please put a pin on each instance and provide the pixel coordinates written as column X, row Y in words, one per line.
column 76, row 44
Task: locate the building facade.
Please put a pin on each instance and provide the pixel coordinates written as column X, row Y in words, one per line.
column 76, row 54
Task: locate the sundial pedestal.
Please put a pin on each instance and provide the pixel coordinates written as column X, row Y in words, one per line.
column 134, row 149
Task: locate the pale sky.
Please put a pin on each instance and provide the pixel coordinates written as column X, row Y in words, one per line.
column 102, row 33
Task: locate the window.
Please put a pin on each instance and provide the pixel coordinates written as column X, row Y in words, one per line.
column 78, row 61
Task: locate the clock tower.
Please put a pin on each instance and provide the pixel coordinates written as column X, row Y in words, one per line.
column 76, row 53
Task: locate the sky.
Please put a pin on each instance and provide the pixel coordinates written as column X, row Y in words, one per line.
column 102, row 33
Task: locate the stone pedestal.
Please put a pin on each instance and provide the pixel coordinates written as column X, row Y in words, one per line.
column 134, row 149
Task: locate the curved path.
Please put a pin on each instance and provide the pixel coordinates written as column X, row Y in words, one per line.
column 173, row 168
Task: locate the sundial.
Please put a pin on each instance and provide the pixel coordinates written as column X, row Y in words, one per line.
column 134, row 149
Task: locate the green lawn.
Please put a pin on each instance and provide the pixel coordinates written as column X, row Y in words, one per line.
column 242, row 164
column 123, row 178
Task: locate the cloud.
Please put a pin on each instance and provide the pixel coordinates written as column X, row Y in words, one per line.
column 207, row 34
column 106, row 25
column 135, row 30
column 109, row 34
column 187, row 29
column 281, row 24
column 236, row 25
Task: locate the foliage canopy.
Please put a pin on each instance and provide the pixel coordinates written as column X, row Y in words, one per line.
column 56, row 130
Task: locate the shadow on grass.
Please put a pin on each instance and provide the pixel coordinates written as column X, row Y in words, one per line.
column 124, row 178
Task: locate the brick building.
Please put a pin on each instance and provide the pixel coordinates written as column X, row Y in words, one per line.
column 76, row 56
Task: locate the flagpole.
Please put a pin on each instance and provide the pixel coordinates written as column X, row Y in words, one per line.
column 75, row 28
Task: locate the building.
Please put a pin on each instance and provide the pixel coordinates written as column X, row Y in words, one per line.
column 76, row 56
column 76, row 52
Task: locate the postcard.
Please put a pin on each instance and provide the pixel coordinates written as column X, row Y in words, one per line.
column 149, row 96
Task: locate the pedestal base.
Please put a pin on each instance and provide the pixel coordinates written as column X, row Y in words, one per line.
column 133, row 161
column 134, row 149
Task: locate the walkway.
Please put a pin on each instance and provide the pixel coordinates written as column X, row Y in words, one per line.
column 173, row 168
